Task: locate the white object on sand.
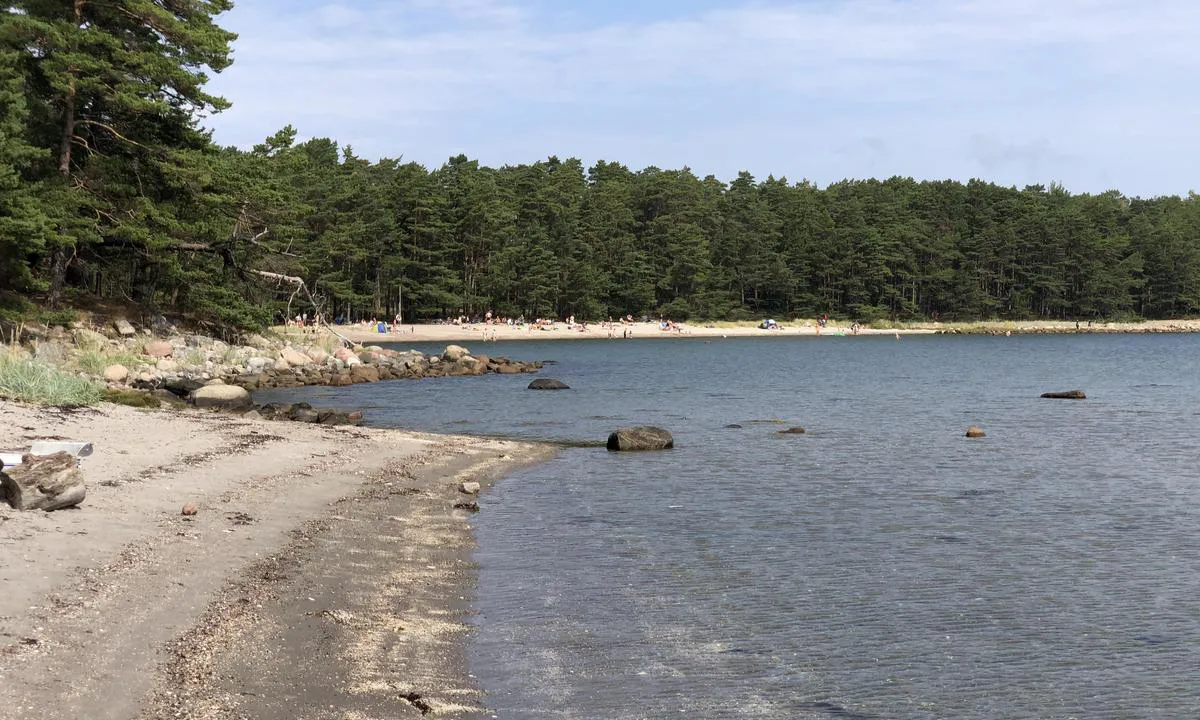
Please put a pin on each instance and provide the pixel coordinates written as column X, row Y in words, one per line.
column 48, row 447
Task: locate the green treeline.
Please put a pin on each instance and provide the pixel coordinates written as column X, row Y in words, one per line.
column 110, row 190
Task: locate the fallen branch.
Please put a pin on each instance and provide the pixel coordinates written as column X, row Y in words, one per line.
column 301, row 285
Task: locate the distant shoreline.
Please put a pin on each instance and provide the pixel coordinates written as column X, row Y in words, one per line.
column 477, row 332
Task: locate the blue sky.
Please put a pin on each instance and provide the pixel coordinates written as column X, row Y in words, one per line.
column 1092, row 94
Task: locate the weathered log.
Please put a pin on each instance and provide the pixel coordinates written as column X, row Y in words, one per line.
column 44, row 482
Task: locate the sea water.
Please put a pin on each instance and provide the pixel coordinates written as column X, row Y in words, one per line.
column 881, row 565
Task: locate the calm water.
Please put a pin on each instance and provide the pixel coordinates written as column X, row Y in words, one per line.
column 881, row 566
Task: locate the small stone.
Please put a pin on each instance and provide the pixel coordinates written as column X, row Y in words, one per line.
column 158, row 349
column 124, row 328
column 189, row 509
column 116, row 373
column 469, row 506
column 470, row 488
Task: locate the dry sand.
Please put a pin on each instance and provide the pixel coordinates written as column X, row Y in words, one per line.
column 480, row 332
column 326, row 574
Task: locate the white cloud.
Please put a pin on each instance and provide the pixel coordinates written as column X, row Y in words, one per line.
column 1078, row 88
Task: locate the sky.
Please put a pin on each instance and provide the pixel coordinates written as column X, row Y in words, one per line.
column 1092, row 94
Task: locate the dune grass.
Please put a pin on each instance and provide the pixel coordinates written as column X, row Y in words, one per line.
column 93, row 360
column 30, row 381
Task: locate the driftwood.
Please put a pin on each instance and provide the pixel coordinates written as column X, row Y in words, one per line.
column 44, row 482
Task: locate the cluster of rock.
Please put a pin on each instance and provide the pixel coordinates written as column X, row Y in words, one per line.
column 156, row 357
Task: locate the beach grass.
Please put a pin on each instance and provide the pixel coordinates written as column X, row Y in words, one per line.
column 28, row 380
column 93, row 361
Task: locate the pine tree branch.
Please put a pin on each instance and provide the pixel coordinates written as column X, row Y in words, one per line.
column 112, row 130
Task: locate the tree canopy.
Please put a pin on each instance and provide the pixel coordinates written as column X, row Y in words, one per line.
column 111, row 189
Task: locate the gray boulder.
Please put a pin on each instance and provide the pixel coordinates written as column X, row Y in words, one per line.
column 640, row 438
column 548, row 384
column 222, row 397
column 792, row 431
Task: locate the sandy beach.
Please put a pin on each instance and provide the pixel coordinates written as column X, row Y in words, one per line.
column 480, row 332
column 326, row 573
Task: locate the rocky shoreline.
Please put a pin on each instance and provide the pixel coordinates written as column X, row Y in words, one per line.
column 158, row 365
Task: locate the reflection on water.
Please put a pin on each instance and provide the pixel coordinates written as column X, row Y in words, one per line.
column 881, row 566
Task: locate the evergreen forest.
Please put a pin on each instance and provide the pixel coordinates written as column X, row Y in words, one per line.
column 111, row 190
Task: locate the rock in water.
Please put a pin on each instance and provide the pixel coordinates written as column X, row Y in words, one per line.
column 44, row 482
column 222, row 397
column 975, row 432
column 640, row 438
column 1066, row 395
column 792, row 431
column 548, row 384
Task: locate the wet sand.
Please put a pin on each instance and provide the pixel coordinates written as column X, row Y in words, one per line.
column 327, row 573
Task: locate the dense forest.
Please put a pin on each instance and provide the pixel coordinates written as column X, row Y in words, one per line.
column 111, row 190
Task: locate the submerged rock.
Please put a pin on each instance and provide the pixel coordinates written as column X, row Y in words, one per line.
column 640, row 438
column 548, row 384
column 975, row 432
column 792, row 431
column 1066, row 395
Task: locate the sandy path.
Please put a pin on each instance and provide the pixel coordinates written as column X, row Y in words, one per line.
column 97, row 599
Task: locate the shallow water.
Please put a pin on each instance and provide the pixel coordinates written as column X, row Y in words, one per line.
column 880, row 566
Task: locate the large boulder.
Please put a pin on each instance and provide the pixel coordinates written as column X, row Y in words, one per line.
column 548, row 384
column 453, row 353
column 158, row 349
column 640, row 438
column 47, row 482
column 222, row 397
column 318, row 355
column 1066, row 395
column 364, row 373
column 294, row 358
